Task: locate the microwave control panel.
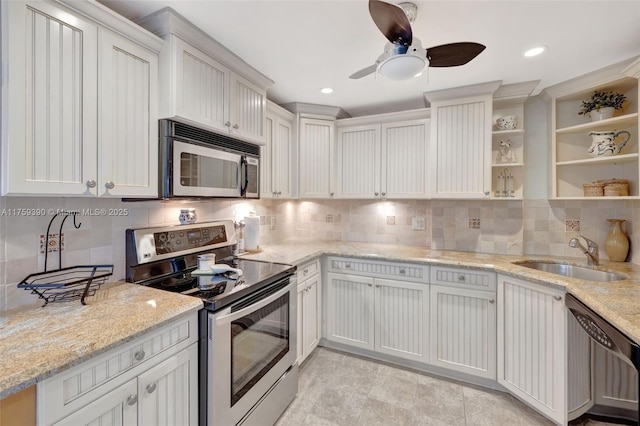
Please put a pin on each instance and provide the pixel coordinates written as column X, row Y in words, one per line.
column 183, row 239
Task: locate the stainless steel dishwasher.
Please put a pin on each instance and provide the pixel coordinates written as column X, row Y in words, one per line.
column 614, row 371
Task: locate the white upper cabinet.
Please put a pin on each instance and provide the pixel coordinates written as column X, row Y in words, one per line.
column 204, row 83
column 382, row 159
column 571, row 164
column 80, row 113
column 276, row 155
column 316, row 161
column 460, row 165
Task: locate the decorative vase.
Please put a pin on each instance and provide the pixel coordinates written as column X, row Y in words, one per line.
column 602, row 113
column 617, row 244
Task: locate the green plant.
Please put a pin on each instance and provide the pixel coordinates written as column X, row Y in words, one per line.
column 602, row 99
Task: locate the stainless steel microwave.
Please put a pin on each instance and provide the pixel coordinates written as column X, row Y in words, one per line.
column 198, row 163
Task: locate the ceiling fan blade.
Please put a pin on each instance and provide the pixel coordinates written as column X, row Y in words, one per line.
column 391, row 21
column 364, row 72
column 453, row 54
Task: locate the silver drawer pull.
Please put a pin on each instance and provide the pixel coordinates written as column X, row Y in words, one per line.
column 151, row 387
column 132, row 399
column 402, row 271
column 492, row 301
column 139, row 356
column 305, row 272
column 558, row 298
column 461, row 278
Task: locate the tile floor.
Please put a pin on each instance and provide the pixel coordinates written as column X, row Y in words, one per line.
column 338, row 389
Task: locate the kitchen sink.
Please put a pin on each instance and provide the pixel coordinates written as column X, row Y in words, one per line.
column 573, row 271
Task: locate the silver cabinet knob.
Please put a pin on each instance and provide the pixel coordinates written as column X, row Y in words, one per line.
column 139, row 356
column 558, row 298
column 227, row 123
column 370, row 285
column 487, row 193
column 91, row 183
column 384, row 193
column 402, row 271
column 492, row 301
column 279, row 192
column 132, row 399
column 151, row 387
column 235, row 126
column 347, row 265
column 109, row 185
column 305, row 272
column 461, row 278
column 331, row 194
column 377, row 285
column 375, row 193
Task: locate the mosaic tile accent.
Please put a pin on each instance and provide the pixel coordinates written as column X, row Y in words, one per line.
column 391, row 220
column 572, row 225
column 474, row 223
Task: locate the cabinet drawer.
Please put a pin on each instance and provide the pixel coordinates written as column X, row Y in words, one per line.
column 469, row 278
column 380, row 269
column 308, row 269
column 66, row 392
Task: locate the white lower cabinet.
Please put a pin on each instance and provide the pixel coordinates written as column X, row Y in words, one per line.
column 309, row 308
column 463, row 330
column 532, row 357
column 389, row 316
column 150, row 381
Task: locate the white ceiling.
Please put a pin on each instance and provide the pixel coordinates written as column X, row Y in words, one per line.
column 305, row 45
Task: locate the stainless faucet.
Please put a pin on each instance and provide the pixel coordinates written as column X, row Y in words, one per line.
column 593, row 257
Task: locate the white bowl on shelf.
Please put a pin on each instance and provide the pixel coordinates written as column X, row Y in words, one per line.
column 508, row 122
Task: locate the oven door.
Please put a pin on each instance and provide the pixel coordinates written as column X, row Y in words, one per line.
column 199, row 171
column 250, row 347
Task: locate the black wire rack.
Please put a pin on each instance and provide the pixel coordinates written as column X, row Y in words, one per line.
column 65, row 284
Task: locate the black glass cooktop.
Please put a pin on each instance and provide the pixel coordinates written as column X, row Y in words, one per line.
column 218, row 291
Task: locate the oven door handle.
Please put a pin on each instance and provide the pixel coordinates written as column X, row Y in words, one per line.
column 228, row 316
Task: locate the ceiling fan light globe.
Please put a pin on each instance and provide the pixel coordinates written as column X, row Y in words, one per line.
column 402, row 67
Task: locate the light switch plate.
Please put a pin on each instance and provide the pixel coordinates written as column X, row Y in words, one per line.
column 417, row 223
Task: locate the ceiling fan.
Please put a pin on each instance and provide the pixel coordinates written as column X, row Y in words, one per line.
column 404, row 57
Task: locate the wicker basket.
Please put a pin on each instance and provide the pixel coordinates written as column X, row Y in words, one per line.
column 616, row 188
column 593, row 189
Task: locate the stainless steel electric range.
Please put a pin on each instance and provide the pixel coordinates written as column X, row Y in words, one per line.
column 248, row 371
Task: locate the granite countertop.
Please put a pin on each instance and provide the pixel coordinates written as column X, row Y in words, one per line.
column 618, row 302
column 38, row 342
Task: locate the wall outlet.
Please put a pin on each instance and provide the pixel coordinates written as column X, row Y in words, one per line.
column 54, row 247
column 272, row 224
column 417, row 223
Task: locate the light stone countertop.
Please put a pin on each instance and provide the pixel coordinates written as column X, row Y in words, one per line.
column 617, row 302
column 37, row 342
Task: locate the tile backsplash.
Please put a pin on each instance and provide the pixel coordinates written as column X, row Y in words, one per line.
column 532, row 227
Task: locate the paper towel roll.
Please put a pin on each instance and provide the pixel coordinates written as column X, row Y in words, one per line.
column 251, row 232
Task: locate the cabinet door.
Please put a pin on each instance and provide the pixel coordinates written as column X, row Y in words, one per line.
column 267, row 159
column 316, row 158
column 116, row 408
column 350, row 310
column 311, row 312
column 247, row 109
column 200, row 92
column 282, row 144
column 463, row 330
column 405, row 147
column 401, row 319
column 531, row 345
column 461, row 148
column 51, row 125
column 168, row 392
column 300, row 322
column 128, row 122
column 358, row 162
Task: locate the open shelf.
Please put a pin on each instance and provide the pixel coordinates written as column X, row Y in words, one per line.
column 620, row 121
column 611, row 159
column 507, row 165
column 512, row 132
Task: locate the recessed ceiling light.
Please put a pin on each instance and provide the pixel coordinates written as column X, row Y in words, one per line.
column 326, row 90
column 534, row 51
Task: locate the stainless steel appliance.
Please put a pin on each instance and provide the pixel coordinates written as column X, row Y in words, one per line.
column 197, row 163
column 624, row 406
column 248, row 370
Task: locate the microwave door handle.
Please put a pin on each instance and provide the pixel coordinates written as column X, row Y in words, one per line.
column 244, row 167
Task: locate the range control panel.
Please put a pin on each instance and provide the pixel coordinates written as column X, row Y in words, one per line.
column 183, row 239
